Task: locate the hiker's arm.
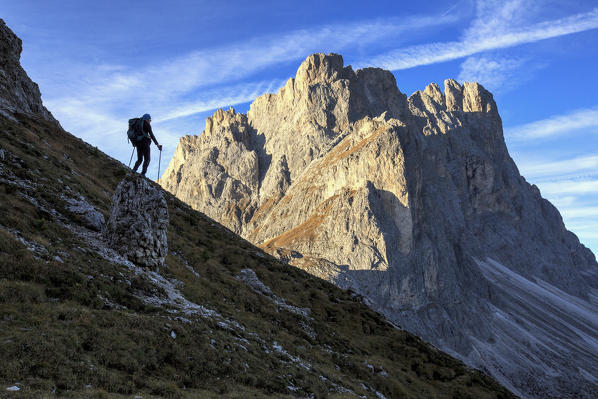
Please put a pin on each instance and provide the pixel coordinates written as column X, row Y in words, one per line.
column 148, row 128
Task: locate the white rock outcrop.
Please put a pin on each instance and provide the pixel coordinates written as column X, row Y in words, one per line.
column 410, row 202
column 138, row 222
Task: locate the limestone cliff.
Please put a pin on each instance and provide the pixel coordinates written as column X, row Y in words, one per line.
column 18, row 93
column 414, row 203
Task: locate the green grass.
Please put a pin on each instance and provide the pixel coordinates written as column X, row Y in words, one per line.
column 60, row 335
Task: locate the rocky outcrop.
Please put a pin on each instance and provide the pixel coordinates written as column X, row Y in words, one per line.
column 138, row 222
column 88, row 215
column 415, row 204
column 18, row 93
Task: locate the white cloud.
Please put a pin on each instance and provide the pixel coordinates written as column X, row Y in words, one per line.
column 216, row 66
column 496, row 74
column 498, row 17
column 559, row 170
column 230, row 63
column 576, row 202
column 215, row 98
column 580, row 212
column 586, row 231
column 555, row 125
column 484, row 36
column 562, row 187
column 570, row 184
column 95, row 101
column 575, row 198
column 452, row 8
column 560, row 201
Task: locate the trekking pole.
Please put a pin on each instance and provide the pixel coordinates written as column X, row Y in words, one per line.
column 131, row 157
column 159, row 160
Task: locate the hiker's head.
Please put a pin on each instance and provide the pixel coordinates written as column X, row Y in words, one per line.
column 146, row 117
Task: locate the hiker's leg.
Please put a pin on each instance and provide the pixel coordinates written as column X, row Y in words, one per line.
column 139, row 158
column 146, row 159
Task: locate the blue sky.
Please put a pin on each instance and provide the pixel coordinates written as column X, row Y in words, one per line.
column 99, row 63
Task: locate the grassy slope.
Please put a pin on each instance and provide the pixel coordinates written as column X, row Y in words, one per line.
column 76, row 326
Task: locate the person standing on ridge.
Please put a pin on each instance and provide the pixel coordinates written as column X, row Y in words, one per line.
column 143, row 146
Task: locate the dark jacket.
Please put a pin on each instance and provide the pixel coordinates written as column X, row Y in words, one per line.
column 147, row 141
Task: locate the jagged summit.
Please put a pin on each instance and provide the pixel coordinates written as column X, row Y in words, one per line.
column 414, row 203
column 471, row 97
column 321, row 68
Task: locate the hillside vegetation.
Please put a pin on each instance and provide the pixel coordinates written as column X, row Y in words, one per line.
column 78, row 321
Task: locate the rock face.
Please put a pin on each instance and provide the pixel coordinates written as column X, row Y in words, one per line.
column 18, row 93
column 138, row 222
column 415, row 204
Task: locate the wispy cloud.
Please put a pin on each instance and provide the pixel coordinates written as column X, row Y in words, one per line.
column 494, row 73
column 549, row 170
column 570, row 184
column 562, row 183
column 580, row 212
column 586, row 230
column 555, row 125
column 98, row 104
column 578, row 187
column 483, row 37
column 581, row 217
column 218, row 97
column 232, row 63
column 452, row 8
column 499, row 17
column 493, row 69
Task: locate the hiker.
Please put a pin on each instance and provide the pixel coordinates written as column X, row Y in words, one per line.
column 143, row 145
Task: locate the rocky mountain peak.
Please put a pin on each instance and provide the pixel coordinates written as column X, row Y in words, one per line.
column 434, row 92
column 412, row 202
column 18, row 93
column 477, row 99
column 321, row 68
column 471, row 97
column 229, row 123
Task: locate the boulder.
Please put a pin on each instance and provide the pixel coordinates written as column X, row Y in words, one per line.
column 89, row 216
column 138, row 222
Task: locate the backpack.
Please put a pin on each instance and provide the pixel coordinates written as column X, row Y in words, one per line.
column 135, row 133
